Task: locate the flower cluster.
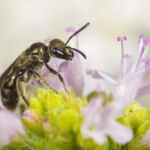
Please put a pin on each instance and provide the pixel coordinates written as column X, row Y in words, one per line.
column 98, row 121
column 55, row 121
column 52, row 121
column 132, row 83
column 133, row 80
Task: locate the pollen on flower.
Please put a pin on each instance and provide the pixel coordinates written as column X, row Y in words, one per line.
column 126, row 55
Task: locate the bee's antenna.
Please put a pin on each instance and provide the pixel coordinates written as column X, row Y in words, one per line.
column 82, row 28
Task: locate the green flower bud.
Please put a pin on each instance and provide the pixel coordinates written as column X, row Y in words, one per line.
column 137, row 144
column 68, row 119
column 35, row 104
column 143, row 128
column 32, row 121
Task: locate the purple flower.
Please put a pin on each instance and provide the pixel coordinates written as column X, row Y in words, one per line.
column 10, row 124
column 70, row 70
column 134, row 78
column 132, row 82
column 100, row 122
column 146, row 138
column 31, row 116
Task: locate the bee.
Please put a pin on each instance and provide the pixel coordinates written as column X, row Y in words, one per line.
column 27, row 64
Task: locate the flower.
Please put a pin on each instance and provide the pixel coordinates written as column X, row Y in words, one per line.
column 145, row 139
column 9, row 126
column 71, row 71
column 138, row 118
column 32, row 121
column 31, row 116
column 100, row 122
column 133, row 80
column 55, row 124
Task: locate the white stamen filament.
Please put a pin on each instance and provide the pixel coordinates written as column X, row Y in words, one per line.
column 122, row 59
column 142, row 47
column 107, row 77
column 141, row 50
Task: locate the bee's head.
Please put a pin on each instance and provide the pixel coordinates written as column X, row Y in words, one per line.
column 59, row 49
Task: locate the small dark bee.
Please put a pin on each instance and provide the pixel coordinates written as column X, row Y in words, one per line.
column 27, row 66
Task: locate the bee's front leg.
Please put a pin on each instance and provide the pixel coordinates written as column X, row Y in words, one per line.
column 59, row 76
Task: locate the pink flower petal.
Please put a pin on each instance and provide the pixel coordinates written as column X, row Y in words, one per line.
column 128, row 63
column 73, row 74
column 101, row 75
column 9, row 125
column 145, row 90
column 99, row 138
column 146, row 138
column 119, row 133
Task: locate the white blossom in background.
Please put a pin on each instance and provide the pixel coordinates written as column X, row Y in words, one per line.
column 100, row 122
column 10, row 124
column 146, row 138
column 134, row 78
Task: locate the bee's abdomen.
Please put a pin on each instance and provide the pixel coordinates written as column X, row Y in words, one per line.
column 9, row 94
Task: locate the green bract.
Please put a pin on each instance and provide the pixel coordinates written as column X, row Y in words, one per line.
column 52, row 122
column 138, row 119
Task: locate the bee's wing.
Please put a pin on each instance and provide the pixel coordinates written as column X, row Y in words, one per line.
column 6, row 73
column 10, row 69
column 21, row 62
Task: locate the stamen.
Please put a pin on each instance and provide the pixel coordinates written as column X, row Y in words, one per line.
column 142, row 45
column 121, row 39
column 146, row 62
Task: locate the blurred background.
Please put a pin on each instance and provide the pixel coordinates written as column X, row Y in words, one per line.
column 23, row 22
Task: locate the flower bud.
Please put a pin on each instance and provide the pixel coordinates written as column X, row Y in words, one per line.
column 32, row 121
column 46, row 125
column 35, row 104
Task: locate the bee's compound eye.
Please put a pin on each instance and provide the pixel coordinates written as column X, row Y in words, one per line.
column 57, row 51
column 53, row 49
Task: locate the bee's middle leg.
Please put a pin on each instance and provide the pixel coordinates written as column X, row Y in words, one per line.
column 40, row 79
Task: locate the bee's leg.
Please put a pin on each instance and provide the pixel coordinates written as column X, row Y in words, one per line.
column 38, row 76
column 59, row 76
column 27, row 78
column 20, row 91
